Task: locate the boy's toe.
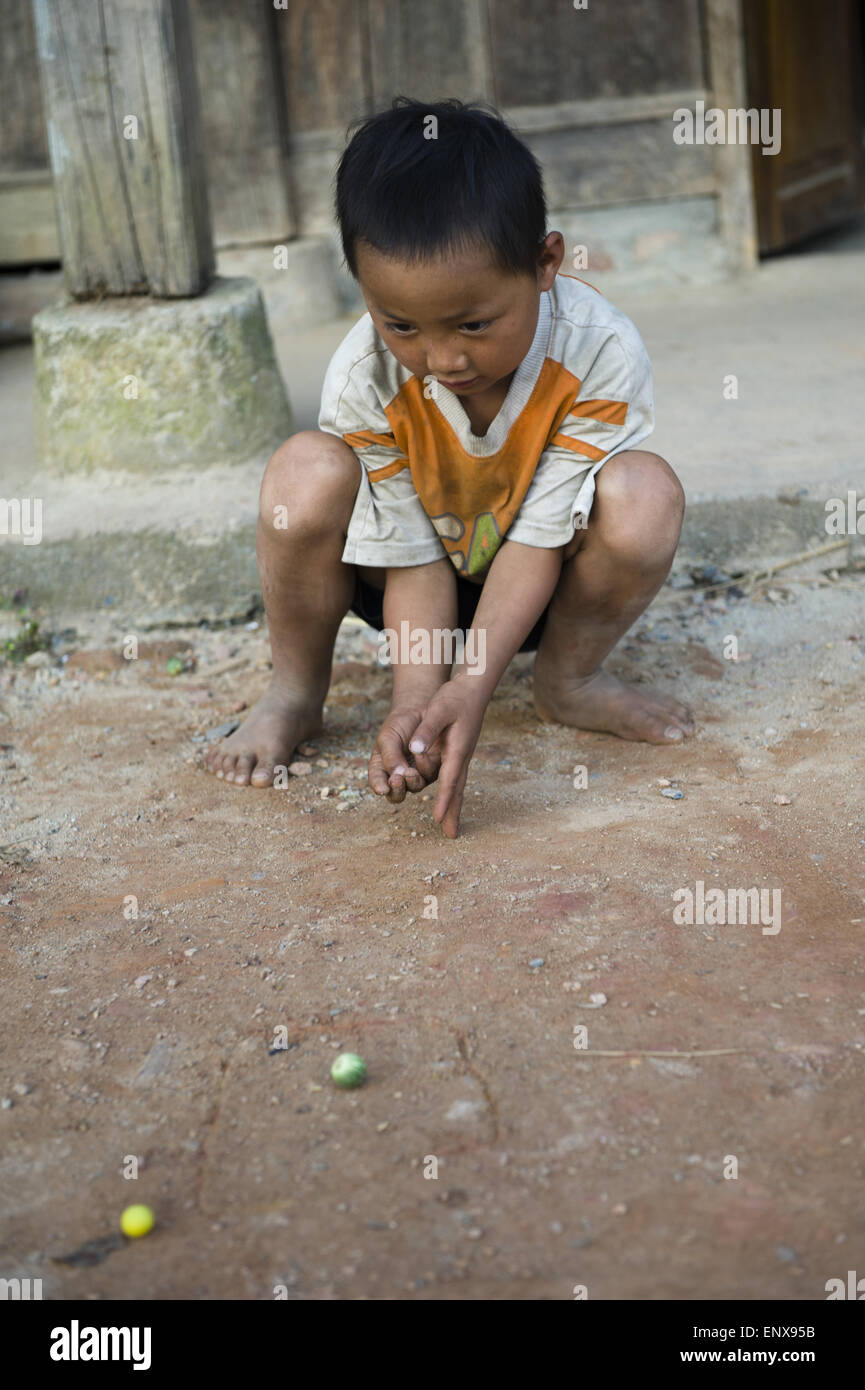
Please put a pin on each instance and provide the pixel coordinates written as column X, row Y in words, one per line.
column 262, row 774
column 654, row 725
column 242, row 768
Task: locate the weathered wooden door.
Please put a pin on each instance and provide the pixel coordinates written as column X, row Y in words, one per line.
column 807, row 60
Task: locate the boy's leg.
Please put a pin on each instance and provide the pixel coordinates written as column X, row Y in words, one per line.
column 307, row 590
column 610, row 574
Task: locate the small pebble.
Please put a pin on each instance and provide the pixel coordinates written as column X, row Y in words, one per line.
column 299, row 769
column 236, row 708
column 785, row 1254
column 674, row 793
column 5, row 1103
column 535, row 964
column 620, row 1209
column 21, row 1088
column 781, row 800
column 596, row 1001
column 307, row 750
column 222, row 730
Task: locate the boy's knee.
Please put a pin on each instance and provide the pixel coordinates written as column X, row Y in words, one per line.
column 637, row 475
column 312, row 476
column 641, row 501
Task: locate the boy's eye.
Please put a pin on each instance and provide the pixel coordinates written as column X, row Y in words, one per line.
column 476, row 326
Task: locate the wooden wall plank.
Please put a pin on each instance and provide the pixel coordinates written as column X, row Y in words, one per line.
column 325, row 61
column 737, row 220
column 428, row 51
column 604, row 165
column 28, row 219
column 573, row 115
column 132, row 213
column 242, row 108
column 547, row 51
column 23, row 143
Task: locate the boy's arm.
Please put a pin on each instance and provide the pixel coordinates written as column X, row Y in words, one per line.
column 424, row 596
column 520, row 584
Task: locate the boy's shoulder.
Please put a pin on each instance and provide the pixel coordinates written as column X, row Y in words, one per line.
column 361, row 378
column 363, row 355
column 583, row 317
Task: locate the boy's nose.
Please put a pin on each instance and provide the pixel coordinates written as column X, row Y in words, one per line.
column 449, row 373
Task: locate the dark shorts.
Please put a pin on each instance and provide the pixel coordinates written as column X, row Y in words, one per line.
column 367, row 604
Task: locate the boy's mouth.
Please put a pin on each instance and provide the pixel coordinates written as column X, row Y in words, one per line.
column 459, row 385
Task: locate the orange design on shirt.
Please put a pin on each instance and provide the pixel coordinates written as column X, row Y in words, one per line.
column 612, row 412
column 472, row 500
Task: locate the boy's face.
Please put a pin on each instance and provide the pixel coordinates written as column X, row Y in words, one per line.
column 457, row 318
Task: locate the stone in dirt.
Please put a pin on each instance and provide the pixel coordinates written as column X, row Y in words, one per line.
column 222, row 730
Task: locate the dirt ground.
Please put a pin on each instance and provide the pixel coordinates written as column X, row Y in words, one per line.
column 158, row 929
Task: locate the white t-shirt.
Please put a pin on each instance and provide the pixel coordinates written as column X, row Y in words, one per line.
column 430, row 487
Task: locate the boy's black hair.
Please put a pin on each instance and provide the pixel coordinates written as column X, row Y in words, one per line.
column 413, row 197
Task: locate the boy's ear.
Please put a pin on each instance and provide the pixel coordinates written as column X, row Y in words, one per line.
column 551, row 253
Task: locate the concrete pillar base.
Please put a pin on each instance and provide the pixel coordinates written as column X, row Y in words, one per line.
column 148, row 385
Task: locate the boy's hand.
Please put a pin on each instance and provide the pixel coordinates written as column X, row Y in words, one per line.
column 393, row 770
column 450, row 727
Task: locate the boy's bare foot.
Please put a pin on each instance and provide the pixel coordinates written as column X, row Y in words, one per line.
column 266, row 739
column 608, row 705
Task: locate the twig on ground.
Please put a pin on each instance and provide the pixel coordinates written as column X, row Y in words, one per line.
column 759, row 576
column 640, row 1052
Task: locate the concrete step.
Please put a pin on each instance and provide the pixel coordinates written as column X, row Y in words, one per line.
column 194, row 571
